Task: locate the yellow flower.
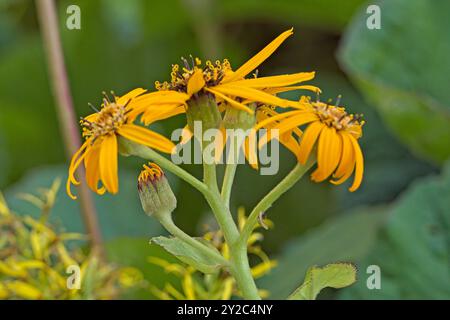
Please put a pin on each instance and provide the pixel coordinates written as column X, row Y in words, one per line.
column 219, row 80
column 332, row 130
column 99, row 151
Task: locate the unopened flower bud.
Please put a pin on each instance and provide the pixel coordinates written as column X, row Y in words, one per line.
column 156, row 196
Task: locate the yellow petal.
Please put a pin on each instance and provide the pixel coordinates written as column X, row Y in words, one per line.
column 250, row 151
column 161, row 112
column 232, row 102
column 259, row 58
column 186, row 135
column 108, row 163
column 252, row 94
column 276, row 90
column 275, row 118
column 146, row 137
column 196, row 82
column 347, row 162
column 123, row 100
column 74, row 164
column 92, row 164
column 359, row 166
column 287, row 125
column 275, row 81
column 328, row 153
column 309, row 139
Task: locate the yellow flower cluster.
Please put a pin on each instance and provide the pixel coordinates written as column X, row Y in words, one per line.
column 34, row 258
column 305, row 127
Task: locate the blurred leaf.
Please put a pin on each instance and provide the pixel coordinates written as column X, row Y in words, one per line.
column 321, row 14
column 187, row 253
column 119, row 215
column 406, row 77
column 345, row 238
column 334, row 275
column 134, row 252
column 413, row 251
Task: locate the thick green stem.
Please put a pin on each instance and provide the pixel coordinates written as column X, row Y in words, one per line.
column 283, row 186
column 167, row 222
column 240, row 267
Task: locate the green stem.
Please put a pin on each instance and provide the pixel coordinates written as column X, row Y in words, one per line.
column 239, row 265
column 144, row 152
column 167, row 222
column 283, row 186
column 240, row 268
column 228, row 180
column 230, row 170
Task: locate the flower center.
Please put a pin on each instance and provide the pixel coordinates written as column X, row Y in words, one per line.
column 337, row 117
column 213, row 73
column 111, row 117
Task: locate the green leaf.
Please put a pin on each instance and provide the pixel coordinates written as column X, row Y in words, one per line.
column 334, row 275
column 346, row 238
column 404, row 76
column 413, row 250
column 187, row 254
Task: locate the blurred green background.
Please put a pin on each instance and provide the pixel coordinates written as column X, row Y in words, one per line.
column 397, row 76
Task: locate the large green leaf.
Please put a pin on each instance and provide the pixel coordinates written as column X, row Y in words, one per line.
column 346, row 238
column 119, row 215
column 334, row 275
column 403, row 69
column 413, row 251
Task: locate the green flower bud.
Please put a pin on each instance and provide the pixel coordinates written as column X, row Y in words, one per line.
column 203, row 108
column 156, row 196
column 239, row 119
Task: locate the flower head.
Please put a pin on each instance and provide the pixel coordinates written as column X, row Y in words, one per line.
column 333, row 132
column 99, row 151
column 229, row 88
column 154, row 191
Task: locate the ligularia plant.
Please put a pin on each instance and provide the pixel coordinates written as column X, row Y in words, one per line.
column 223, row 101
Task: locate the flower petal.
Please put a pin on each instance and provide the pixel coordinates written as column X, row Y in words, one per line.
column 347, row 162
column 196, row 82
column 161, row 112
column 108, row 163
column 123, row 100
column 92, row 165
column 259, row 58
column 275, row 81
column 328, row 153
column 146, row 137
column 232, row 102
column 359, row 166
column 252, row 94
column 287, row 125
column 309, row 139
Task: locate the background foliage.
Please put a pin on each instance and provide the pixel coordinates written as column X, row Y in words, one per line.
column 397, row 76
